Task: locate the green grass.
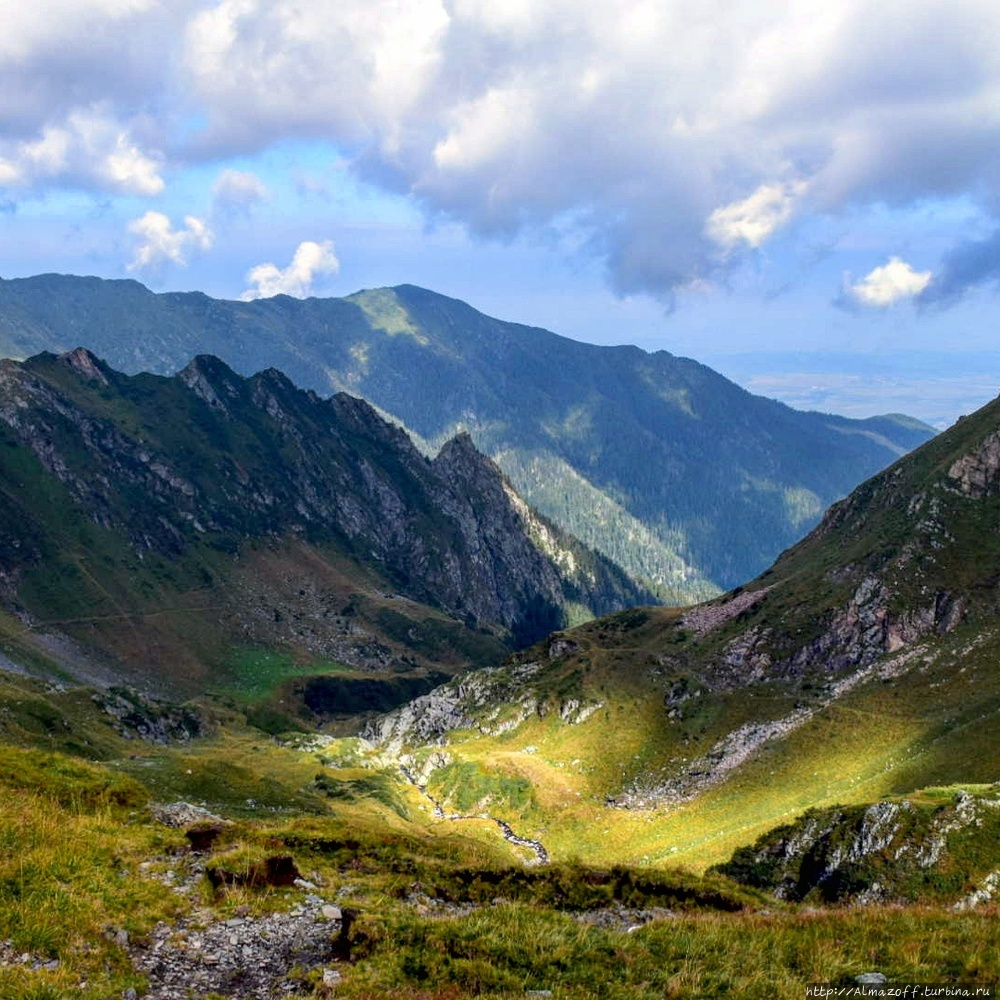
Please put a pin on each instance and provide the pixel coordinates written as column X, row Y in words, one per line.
column 379, row 787
column 70, row 844
column 252, row 673
column 509, row 948
column 935, row 724
column 468, row 787
column 34, row 713
column 236, row 772
column 69, row 830
column 387, row 314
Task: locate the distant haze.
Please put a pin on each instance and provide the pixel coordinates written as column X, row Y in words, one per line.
column 936, row 388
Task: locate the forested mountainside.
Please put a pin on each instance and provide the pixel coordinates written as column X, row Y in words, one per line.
column 164, row 522
column 683, row 478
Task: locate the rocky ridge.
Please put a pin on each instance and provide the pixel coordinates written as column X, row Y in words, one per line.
column 694, row 777
column 864, row 640
column 181, row 469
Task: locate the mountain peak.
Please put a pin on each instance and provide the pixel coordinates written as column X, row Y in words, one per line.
column 275, row 379
column 459, row 458
column 85, row 364
column 166, row 484
column 211, row 379
column 693, row 482
column 460, row 444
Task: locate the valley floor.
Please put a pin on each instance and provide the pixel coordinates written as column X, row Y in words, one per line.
column 326, row 879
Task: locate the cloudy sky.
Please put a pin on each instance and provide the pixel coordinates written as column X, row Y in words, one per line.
column 805, row 196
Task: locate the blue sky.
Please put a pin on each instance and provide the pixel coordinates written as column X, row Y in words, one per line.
column 806, row 197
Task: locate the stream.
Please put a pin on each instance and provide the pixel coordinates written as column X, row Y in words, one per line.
column 541, row 854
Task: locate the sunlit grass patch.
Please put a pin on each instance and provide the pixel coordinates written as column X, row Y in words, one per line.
column 506, row 949
column 235, row 772
column 251, row 674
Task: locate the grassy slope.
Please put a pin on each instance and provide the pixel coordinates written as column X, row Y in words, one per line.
column 185, row 624
column 963, row 822
column 924, row 727
column 929, row 719
column 928, row 727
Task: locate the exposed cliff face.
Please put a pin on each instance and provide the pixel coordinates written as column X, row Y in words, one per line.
column 889, row 851
column 850, row 638
column 977, row 474
column 207, row 462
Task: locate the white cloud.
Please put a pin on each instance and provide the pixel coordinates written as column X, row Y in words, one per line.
column 129, row 170
column 44, row 23
column 755, row 218
column 160, row 243
column 310, row 260
column 58, row 57
column 638, row 118
column 89, row 149
column 238, row 191
column 888, row 284
column 355, row 69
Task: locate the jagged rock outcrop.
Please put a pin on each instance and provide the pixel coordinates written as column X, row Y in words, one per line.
column 491, row 701
column 893, row 850
column 136, row 716
column 983, row 893
column 866, row 628
column 977, row 474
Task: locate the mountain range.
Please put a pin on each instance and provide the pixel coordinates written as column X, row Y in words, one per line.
column 687, row 481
